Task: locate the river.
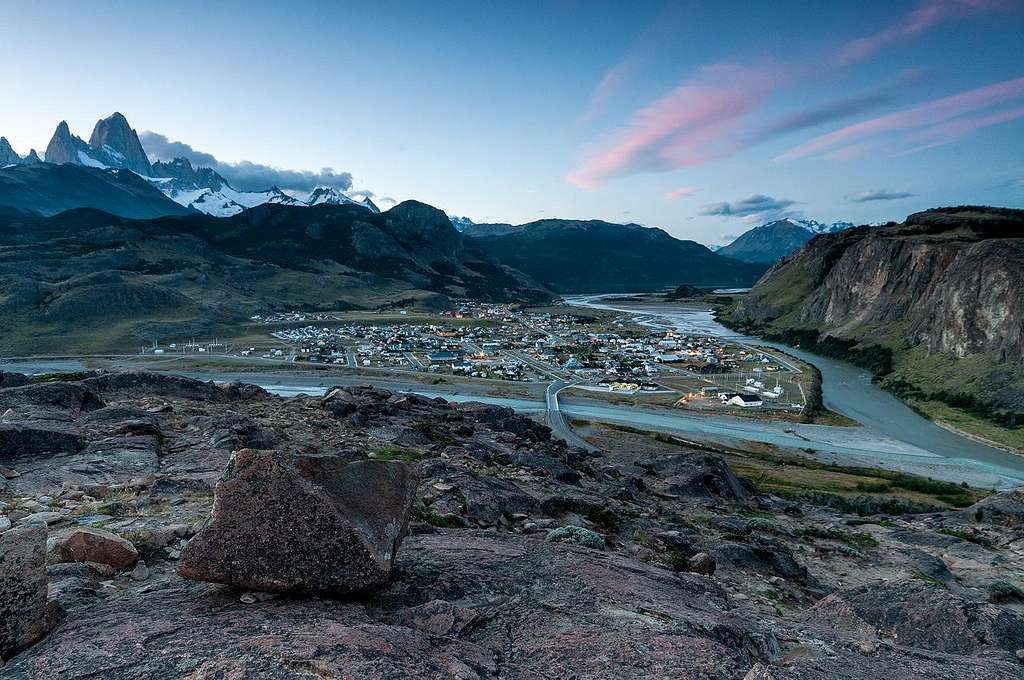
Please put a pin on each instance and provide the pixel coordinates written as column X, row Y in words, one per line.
column 846, row 389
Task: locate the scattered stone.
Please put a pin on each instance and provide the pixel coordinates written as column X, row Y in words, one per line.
column 140, row 572
column 577, row 536
column 8, row 473
column 86, row 544
column 702, row 563
column 46, row 517
column 314, row 524
column 23, row 586
column 5, row 523
column 437, row 617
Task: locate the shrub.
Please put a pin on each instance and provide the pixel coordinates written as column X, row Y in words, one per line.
column 577, row 536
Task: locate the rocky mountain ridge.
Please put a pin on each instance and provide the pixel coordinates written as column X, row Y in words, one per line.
column 598, row 256
column 945, row 283
column 153, row 278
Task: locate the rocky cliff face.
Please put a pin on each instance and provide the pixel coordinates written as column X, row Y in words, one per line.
column 7, row 154
column 944, row 291
column 957, row 291
column 64, row 147
column 117, row 138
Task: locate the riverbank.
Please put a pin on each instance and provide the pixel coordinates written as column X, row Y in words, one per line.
column 847, row 389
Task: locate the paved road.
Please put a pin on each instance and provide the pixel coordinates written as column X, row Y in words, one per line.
column 556, row 419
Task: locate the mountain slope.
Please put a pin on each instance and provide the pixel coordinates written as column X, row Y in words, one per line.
column 936, row 304
column 47, row 189
column 88, row 280
column 767, row 243
column 596, row 256
column 773, row 241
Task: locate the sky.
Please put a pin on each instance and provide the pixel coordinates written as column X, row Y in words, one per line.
column 701, row 118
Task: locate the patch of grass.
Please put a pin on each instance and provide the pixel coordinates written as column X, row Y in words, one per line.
column 928, row 578
column 433, row 518
column 854, row 538
column 969, row 536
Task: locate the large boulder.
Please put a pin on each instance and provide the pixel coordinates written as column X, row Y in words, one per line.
column 303, row 523
column 920, row 614
column 28, row 439
column 86, row 544
column 22, row 587
column 71, row 397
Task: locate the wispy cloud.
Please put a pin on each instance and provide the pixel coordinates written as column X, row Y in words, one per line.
column 709, row 117
column 681, row 192
column 694, row 123
column 918, row 117
column 244, row 175
column 926, row 15
column 752, row 209
column 878, row 195
column 619, row 76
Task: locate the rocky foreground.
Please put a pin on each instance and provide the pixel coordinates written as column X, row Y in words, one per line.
column 161, row 527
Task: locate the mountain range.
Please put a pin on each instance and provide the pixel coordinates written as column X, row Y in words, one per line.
column 87, row 279
column 597, row 256
column 773, row 241
column 114, row 145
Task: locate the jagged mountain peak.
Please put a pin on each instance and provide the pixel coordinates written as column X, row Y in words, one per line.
column 7, row 154
column 115, row 139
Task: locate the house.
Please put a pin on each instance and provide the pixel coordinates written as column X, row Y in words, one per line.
column 444, row 357
column 746, row 400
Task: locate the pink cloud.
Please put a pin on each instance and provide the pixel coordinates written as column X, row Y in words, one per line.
column 929, row 113
column 692, row 124
column 681, row 192
column 708, row 117
column 947, row 133
column 927, row 14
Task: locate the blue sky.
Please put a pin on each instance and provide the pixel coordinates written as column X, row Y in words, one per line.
column 702, row 118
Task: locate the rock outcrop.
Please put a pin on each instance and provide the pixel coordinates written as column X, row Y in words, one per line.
column 87, row 544
column 306, row 524
column 22, row 587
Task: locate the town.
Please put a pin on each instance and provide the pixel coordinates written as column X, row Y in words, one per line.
column 503, row 342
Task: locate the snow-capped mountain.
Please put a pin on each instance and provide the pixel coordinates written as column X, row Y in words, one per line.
column 460, row 223
column 208, row 192
column 816, row 227
column 115, row 145
column 774, row 240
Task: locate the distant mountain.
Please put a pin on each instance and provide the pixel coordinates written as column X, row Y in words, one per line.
column 48, row 188
column 461, row 223
column 596, row 256
column 7, row 154
column 113, row 144
column 118, row 142
column 768, row 243
column 97, row 280
column 773, row 241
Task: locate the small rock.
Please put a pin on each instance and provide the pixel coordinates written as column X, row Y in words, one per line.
column 702, row 563
column 17, row 515
column 102, row 570
column 5, row 523
column 140, row 572
column 8, row 473
column 86, row 544
column 46, row 517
